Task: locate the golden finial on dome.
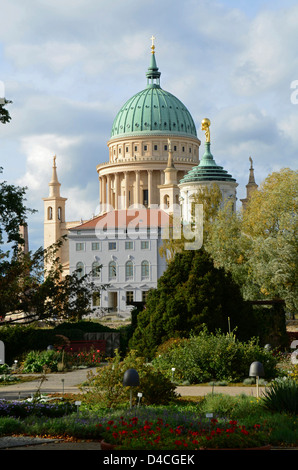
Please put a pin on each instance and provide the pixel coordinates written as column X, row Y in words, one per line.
column 205, row 127
column 152, row 45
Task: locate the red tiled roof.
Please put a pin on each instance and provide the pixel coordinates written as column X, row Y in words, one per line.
column 130, row 218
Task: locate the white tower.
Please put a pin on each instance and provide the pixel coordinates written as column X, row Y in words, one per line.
column 54, row 217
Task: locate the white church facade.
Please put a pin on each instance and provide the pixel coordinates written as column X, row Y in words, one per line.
column 153, row 166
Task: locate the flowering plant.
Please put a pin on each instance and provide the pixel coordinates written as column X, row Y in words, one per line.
column 91, row 358
column 133, row 434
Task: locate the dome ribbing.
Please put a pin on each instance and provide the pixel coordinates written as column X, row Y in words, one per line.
column 153, row 110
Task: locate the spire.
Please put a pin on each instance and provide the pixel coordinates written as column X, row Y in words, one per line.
column 251, row 186
column 170, row 171
column 251, row 179
column 153, row 74
column 54, row 183
column 170, row 157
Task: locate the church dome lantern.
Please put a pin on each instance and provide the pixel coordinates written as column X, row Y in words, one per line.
column 153, row 110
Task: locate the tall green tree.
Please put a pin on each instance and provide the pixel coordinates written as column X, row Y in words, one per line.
column 259, row 245
column 190, row 294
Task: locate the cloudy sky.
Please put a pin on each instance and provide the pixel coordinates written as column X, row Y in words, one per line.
column 69, row 66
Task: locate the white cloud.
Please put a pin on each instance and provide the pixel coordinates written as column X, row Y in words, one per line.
column 269, row 55
column 53, row 55
column 39, row 151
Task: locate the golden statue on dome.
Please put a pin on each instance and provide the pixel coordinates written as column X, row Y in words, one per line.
column 205, row 127
column 152, row 44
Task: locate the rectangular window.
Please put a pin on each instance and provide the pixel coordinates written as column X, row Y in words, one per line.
column 145, row 245
column 183, row 149
column 80, row 246
column 145, row 197
column 96, row 299
column 112, row 245
column 126, row 149
column 95, row 246
column 145, row 148
column 155, row 147
column 129, row 297
column 165, row 147
column 175, row 148
column 144, row 295
column 129, row 245
column 136, row 148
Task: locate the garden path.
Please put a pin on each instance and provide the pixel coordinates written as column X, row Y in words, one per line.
column 68, row 382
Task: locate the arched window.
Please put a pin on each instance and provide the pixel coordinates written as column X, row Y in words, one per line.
column 112, row 270
column 80, row 269
column 145, row 270
column 95, row 269
column 50, row 213
column 166, row 200
column 60, row 213
column 129, row 270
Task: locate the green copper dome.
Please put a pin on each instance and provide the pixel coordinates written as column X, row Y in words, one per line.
column 153, row 110
column 207, row 170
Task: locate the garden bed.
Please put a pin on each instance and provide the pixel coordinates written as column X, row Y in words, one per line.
column 182, row 425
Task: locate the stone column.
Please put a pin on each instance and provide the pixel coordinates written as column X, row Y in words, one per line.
column 149, row 188
column 137, row 188
column 100, row 190
column 117, row 192
column 109, row 190
column 104, row 191
column 126, row 189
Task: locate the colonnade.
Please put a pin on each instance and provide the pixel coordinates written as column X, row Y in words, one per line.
column 123, row 188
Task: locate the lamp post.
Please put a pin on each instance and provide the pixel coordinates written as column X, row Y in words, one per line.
column 256, row 370
column 131, row 379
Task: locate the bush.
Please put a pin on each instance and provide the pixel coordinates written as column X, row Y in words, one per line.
column 229, row 406
column 36, row 361
column 9, row 426
column 106, row 386
column 212, row 357
column 4, row 368
column 282, row 396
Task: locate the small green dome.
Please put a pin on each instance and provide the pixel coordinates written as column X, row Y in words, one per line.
column 153, row 110
column 207, row 170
